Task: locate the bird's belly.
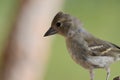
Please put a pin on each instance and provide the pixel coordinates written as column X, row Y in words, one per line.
column 91, row 61
column 94, row 61
column 80, row 61
column 101, row 61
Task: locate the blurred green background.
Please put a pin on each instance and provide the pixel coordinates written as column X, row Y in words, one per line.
column 100, row 17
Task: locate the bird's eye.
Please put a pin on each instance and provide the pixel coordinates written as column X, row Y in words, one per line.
column 58, row 24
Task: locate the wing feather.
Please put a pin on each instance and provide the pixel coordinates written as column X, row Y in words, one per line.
column 102, row 48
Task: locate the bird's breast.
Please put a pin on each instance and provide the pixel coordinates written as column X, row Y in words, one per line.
column 77, row 53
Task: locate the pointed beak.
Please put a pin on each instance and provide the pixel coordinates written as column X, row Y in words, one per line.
column 51, row 31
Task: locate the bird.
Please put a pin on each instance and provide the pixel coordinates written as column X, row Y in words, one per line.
column 84, row 48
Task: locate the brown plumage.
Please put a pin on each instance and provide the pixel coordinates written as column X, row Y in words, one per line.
column 85, row 49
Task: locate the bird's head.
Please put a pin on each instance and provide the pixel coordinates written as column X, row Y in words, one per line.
column 63, row 24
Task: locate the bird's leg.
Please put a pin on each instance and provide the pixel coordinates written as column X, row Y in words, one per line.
column 108, row 73
column 91, row 74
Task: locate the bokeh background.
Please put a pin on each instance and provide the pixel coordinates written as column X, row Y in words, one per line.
column 100, row 17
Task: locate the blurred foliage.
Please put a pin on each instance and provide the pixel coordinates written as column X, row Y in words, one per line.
column 101, row 18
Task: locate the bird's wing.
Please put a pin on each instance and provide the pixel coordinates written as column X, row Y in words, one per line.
column 115, row 45
column 102, row 48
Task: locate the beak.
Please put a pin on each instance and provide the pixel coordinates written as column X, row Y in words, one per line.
column 51, row 31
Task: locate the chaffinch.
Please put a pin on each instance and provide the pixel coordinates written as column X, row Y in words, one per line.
column 85, row 49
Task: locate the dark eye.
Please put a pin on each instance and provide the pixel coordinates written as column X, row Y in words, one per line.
column 58, row 24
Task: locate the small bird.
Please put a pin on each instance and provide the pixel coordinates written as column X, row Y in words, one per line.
column 85, row 49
